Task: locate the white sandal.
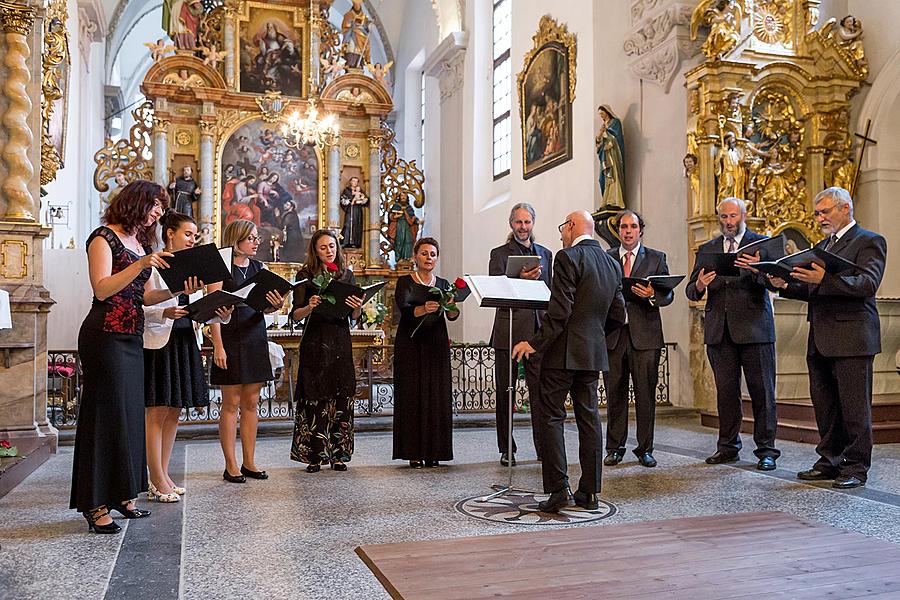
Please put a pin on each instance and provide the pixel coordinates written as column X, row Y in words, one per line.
column 154, row 494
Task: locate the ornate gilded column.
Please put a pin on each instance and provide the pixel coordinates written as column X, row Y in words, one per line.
column 375, row 201
column 228, row 38
column 333, row 193
column 207, row 176
column 160, row 150
column 17, row 21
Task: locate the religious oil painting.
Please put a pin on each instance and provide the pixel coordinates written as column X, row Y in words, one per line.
column 546, row 92
column 271, row 53
column 272, row 184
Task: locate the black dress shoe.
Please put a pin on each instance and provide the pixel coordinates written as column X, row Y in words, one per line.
column 766, row 463
column 338, row 466
column 132, row 513
column 232, row 478
column 847, row 482
column 720, row 458
column 814, row 475
column 504, row 459
column 416, row 464
column 555, row 502
column 253, row 474
column 586, row 501
column 612, row 459
column 431, row 464
column 646, row 459
column 313, row 468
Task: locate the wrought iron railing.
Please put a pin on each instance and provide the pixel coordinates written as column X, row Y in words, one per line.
column 472, row 382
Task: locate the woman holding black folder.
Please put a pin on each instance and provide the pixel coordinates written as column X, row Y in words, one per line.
column 241, row 355
column 326, row 381
column 173, row 370
column 423, row 414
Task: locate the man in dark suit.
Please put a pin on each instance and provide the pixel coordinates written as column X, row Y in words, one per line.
column 739, row 332
column 524, row 324
column 585, row 300
column 635, row 348
column 844, row 337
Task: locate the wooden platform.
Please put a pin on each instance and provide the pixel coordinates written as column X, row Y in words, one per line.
column 749, row 555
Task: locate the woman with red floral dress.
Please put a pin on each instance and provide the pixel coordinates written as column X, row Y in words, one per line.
column 109, row 470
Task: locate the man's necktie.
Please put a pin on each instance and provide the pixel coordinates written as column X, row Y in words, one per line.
column 732, row 246
column 627, row 266
column 831, row 242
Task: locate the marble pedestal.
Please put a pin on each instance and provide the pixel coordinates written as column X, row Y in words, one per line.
column 23, row 352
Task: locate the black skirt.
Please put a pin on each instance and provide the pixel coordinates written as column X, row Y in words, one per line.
column 109, row 465
column 173, row 374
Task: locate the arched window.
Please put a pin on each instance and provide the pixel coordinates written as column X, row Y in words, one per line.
column 422, row 120
column 501, row 95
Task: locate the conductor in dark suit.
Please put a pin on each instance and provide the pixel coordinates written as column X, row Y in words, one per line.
column 634, row 349
column 844, row 337
column 585, row 300
column 739, row 332
column 524, row 325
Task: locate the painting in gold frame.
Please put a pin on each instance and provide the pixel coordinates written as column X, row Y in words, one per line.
column 272, row 50
column 546, row 91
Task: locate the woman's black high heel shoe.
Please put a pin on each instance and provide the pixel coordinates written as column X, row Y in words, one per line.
column 313, row 468
column 95, row 515
column 131, row 513
column 338, row 466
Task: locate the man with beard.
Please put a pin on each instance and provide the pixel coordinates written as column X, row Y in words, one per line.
column 185, row 191
column 739, row 333
column 525, row 323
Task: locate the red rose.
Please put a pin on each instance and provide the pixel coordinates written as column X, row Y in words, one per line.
column 5, row 444
column 331, row 267
column 460, row 283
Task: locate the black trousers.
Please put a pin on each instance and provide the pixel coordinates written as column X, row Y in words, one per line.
column 757, row 361
column 841, row 392
column 502, row 366
column 582, row 385
column 643, row 367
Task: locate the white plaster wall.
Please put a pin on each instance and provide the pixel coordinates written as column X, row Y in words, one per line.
column 66, row 277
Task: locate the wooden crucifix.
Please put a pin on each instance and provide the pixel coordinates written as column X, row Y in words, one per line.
column 862, row 152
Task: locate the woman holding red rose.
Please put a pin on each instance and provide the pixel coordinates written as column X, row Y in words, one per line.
column 326, row 381
column 423, row 413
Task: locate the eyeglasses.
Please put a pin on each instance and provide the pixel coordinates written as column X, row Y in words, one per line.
column 253, row 239
column 560, row 228
column 823, row 212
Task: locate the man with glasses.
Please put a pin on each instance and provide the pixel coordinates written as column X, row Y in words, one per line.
column 739, row 333
column 844, row 337
column 585, row 300
column 525, row 323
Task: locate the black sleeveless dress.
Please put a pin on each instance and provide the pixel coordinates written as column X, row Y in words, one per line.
column 244, row 338
column 109, row 466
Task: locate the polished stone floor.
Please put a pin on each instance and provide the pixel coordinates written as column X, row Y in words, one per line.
column 293, row 536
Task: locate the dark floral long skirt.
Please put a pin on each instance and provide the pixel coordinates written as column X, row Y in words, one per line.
column 323, row 431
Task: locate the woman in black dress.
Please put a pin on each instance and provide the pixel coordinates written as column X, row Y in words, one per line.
column 326, row 381
column 241, row 355
column 173, row 370
column 423, row 415
column 108, row 470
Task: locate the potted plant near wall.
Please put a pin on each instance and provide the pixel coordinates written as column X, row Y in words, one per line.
column 373, row 315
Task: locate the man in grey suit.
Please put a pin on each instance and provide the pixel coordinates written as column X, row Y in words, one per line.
column 525, row 323
column 739, row 332
column 634, row 350
column 844, row 337
column 585, row 301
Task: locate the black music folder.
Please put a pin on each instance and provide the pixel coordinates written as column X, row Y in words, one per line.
column 263, row 282
column 515, row 264
column 341, row 290
column 720, row 262
column 205, row 308
column 772, row 248
column 206, row 262
column 783, row 266
column 661, row 283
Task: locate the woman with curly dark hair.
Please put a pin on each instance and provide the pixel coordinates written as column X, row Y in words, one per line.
column 326, row 381
column 109, row 471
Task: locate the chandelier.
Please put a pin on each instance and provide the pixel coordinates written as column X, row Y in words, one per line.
column 310, row 130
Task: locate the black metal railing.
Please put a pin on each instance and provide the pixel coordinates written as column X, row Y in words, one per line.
column 472, row 382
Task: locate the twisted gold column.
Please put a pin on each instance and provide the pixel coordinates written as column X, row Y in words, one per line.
column 17, row 21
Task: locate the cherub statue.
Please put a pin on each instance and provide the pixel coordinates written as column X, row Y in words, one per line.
column 159, row 49
column 333, row 68
column 381, row 73
column 724, row 20
column 847, row 33
column 212, row 56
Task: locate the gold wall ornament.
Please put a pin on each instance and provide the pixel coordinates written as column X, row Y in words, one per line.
column 183, row 137
column 185, row 79
column 723, row 17
column 272, row 105
column 16, row 18
column 352, row 151
column 131, row 157
column 773, row 22
column 55, row 66
column 846, row 36
column 13, row 259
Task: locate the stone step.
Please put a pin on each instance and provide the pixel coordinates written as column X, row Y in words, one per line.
column 806, row 431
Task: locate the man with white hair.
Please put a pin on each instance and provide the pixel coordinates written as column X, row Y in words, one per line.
column 844, row 337
column 739, row 333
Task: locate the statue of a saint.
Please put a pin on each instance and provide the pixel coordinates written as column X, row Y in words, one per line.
column 610, row 143
column 724, row 20
column 184, row 191
column 693, row 176
column 181, row 20
column 403, row 228
column 353, row 199
column 730, row 175
column 355, row 36
column 848, row 35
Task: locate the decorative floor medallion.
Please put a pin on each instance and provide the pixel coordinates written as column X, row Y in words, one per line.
column 521, row 508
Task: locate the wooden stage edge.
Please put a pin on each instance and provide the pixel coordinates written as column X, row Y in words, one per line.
column 744, row 555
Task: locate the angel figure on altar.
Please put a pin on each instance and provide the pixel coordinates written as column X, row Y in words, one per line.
column 403, row 228
column 724, row 20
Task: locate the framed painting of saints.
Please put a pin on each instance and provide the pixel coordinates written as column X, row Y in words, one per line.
column 272, row 50
column 546, row 91
column 276, row 186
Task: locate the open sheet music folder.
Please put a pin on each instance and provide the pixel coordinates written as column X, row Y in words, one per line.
column 341, row 290
column 500, row 291
column 204, row 309
column 832, row 263
column 263, row 282
column 206, row 262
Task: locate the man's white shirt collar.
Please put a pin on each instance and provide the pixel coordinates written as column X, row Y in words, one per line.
column 634, row 251
column 580, row 239
column 737, row 240
column 845, row 229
